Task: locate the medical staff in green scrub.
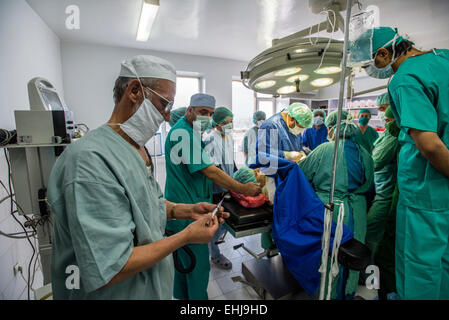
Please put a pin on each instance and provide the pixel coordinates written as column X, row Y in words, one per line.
column 109, row 212
column 419, row 98
column 250, row 139
column 190, row 174
column 385, row 153
column 366, row 135
column 354, row 177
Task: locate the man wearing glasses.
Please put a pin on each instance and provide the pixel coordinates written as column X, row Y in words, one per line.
column 109, row 211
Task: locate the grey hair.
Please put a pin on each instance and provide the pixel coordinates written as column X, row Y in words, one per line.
column 122, row 83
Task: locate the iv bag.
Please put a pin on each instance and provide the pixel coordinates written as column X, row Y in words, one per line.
column 360, row 45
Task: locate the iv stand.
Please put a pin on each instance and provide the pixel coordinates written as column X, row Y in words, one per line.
column 325, row 253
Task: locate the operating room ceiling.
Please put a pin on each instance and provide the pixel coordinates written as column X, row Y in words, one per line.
column 231, row 29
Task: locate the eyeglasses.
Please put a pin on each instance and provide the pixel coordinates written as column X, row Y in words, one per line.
column 167, row 104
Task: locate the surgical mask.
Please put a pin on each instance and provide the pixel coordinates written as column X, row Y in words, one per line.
column 228, row 126
column 364, row 121
column 296, row 130
column 202, row 121
column 259, row 123
column 379, row 73
column 392, row 128
column 385, row 72
column 143, row 124
column 318, row 121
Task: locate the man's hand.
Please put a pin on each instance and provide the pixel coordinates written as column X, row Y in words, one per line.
column 202, row 208
column 202, row 230
column 251, row 189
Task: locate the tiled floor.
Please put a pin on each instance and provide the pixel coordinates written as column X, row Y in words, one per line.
column 221, row 286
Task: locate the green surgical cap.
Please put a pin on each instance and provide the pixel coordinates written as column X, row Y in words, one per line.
column 220, row 115
column 175, row 115
column 364, row 110
column 389, row 113
column 331, row 119
column 319, row 111
column 383, row 99
column 382, row 35
column 257, row 115
column 301, row 113
column 245, row 175
column 347, row 128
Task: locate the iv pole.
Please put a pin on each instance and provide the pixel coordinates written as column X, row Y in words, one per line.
column 325, row 253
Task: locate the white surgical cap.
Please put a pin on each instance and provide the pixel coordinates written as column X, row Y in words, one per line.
column 148, row 67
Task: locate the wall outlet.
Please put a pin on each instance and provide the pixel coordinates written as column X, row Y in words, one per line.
column 17, row 268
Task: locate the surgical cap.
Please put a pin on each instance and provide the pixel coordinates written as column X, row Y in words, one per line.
column 245, row 175
column 175, row 115
column 383, row 99
column 257, row 115
column 220, row 115
column 301, row 113
column 202, row 100
column 144, row 66
column 364, row 111
column 382, row 35
column 319, row 111
column 389, row 113
column 347, row 127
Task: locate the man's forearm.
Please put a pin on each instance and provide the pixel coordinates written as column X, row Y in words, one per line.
column 220, row 178
column 178, row 210
column 433, row 149
column 144, row 257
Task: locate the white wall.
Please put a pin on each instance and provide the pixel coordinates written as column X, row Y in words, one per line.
column 90, row 71
column 28, row 49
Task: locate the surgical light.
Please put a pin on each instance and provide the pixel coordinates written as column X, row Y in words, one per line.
column 300, row 77
column 265, row 84
column 287, row 71
column 147, row 17
column 286, row 90
column 322, row 82
column 328, row 70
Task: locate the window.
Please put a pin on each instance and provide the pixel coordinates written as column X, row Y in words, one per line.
column 185, row 88
column 243, row 105
column 266, row 103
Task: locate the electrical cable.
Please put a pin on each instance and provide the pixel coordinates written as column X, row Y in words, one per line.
column 17, row 220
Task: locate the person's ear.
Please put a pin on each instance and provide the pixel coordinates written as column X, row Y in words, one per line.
column 384, row 55
column 134, row 91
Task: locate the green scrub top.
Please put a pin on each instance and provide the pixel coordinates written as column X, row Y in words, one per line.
column 103, row 198
column 367, row 139
column 317, row 168
column 185, row 157
column 419, row 98
column 249, row 145
column 385, row 164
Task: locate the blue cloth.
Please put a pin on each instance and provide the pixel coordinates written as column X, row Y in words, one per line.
column 312, row 138
column 274, row 138
column 298, row 217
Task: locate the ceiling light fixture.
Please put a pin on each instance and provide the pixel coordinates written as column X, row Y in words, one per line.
column 147, row 17
column 328, row 70
column 286, row 90
column 300, row 77
column 322, row 82
column 287, row 71
column 265, row 84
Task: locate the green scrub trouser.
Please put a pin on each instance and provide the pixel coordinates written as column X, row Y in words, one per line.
column 376, row 222
column 193, row 285
column 422, row 253
column 266, row 240
column 384, row 255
